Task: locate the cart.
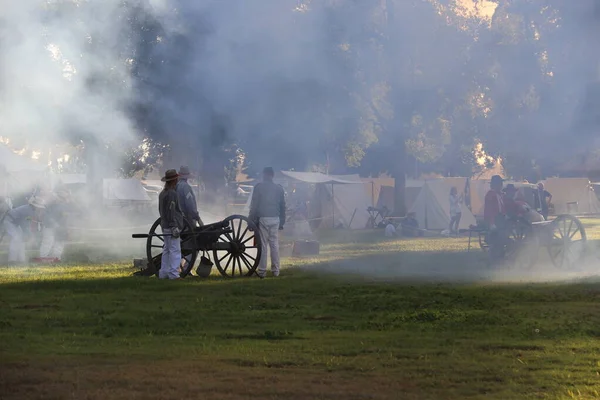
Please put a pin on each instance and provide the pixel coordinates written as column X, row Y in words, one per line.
column 234, row 245
column 564, row 238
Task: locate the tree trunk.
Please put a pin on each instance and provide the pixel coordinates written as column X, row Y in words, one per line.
column 399, row 175
column 399, row 194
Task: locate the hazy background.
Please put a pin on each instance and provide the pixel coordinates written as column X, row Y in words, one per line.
column 406, row 87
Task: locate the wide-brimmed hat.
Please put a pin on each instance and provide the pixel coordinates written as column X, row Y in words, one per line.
column 37, row 202
column 497, row 179
column 170, row 175
column 184, row 171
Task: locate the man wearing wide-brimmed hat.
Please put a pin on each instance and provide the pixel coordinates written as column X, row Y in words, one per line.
column 54, row 231
column 171, row 222
column 17, row 224
column 187, row 198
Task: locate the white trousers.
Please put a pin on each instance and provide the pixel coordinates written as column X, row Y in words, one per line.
column 16, row 248
column 171, row 257
column 269, row 235
column 51, row 246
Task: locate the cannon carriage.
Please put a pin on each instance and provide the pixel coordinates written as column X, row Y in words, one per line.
column 233, row 244
column 563, row 237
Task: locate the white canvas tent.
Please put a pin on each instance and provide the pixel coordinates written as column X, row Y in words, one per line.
column 348, row 194
column 350, row 202
column 432, row 206
column 567, row 191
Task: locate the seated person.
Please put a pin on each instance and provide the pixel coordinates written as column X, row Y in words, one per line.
column 410, row 225
column 517, row 207
column 390, row 229
column 510, row 204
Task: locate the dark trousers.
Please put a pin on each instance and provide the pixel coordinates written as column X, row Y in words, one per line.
column 454, row 221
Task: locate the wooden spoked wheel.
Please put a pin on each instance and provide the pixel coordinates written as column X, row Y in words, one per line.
column 522, row 248
column 567, row 241
column 241, row 255
column 154, row 248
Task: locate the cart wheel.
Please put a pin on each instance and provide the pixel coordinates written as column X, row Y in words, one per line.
column 243, row 255
column 567, row 241
column 523, row 246
column 154, row 248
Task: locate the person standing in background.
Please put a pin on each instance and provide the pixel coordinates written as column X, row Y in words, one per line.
column 54, row 231
column 187, row 203
column 455, row 210
column 267, row 210
column 543, row 198
column 171, row 222
column 187, row 198
column 17, row 223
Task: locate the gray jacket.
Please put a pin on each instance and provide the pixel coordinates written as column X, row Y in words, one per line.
column 170, row 212
column 187, row 200
column 268, row 201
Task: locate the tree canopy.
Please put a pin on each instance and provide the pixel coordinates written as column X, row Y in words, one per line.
column 397, row 86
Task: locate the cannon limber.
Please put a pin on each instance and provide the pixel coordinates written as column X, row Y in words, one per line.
column 233, row 244
column 563, row 237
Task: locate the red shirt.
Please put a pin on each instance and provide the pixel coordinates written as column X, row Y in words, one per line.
column 494, row 205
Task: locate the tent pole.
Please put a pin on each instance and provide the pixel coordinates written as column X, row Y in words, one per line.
column 332, row 207
column 373, row 194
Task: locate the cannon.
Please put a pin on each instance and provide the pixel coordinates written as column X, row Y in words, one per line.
column 234, row 245
column 563, row 237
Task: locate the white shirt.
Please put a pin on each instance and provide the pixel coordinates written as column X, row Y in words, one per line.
column 455, row 203
column 390, row 230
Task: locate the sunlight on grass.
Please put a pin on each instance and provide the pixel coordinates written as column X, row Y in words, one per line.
column 439, row 340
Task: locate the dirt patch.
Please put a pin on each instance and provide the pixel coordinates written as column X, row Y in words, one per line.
column 36, row 307
column 193, row 380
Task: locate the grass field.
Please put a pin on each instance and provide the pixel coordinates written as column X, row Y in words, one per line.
column 369, row 319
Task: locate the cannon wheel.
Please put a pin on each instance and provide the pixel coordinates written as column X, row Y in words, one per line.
column 567, row 241
column 243, row 255
column 523, row 246
column 154, row 246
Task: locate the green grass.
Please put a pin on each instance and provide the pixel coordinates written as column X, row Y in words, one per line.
column 359, row 322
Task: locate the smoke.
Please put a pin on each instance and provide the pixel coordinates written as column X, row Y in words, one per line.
column 288, row 81
column 64, row 74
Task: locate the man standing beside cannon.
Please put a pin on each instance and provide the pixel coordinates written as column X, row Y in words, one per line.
column 187, row 198
column 187, row 202
column 171, row 222
column 267, row 210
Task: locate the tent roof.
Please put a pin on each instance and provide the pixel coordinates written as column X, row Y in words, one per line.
column 317, row 177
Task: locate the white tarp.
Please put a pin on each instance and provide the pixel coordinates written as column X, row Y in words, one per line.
column 432, row 206
column 124, row 190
